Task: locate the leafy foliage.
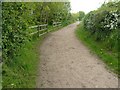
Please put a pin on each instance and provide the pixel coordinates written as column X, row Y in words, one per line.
column 81, row 15
column 100, row 30
column 19, row 57
column 98, row 48
column 103, row 24
column 18, row 16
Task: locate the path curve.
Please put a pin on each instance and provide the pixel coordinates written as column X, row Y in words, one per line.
column 66, row 63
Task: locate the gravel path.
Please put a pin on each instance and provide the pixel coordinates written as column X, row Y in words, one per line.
column 66, row 63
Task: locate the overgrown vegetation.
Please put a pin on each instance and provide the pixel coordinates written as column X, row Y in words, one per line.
column 20, row 58
column 81, row 15
column 18, row 16
column 100, row 31
column 21, row 73
column 78, row 16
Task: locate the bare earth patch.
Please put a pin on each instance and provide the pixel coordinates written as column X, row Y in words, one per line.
column 66, row 63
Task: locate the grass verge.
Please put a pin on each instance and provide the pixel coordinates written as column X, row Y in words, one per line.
column 21, row 72
column 98, row 48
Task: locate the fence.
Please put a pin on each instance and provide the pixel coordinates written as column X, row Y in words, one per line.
column 41, row 29
column 56, row 24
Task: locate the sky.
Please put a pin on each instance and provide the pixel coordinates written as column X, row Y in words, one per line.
column 85, row 5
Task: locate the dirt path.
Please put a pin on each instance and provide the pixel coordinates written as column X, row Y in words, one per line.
column 66, row 63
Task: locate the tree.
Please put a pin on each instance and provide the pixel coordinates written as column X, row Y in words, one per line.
column 81, row 15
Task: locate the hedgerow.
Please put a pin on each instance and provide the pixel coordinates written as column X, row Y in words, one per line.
column 14, row 32
column 104, row 24
column 19, row 16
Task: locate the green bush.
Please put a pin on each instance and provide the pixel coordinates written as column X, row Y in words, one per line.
column 104, row 24
column 15, row 26
column 19, row 16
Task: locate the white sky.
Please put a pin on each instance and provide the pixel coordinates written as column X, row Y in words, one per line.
column 85, row 5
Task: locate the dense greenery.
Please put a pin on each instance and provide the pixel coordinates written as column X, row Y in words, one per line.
column 78, row 16
column 75, row 16
column 22, row 72
column 17, row 17
column 98, row 48
column 100, row 31
column 0, row 22
column 104, row 24
column 81, row 15
column 19, row 52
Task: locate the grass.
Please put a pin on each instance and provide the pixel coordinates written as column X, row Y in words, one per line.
column 98, row 48
column 22, row 71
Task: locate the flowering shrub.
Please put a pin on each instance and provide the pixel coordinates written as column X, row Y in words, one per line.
column 111, row 20
column 104, row 24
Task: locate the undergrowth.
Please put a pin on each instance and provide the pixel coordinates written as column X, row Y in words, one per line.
column 21, row 72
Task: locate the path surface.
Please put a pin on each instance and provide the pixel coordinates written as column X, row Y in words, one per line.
column 66, row 63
